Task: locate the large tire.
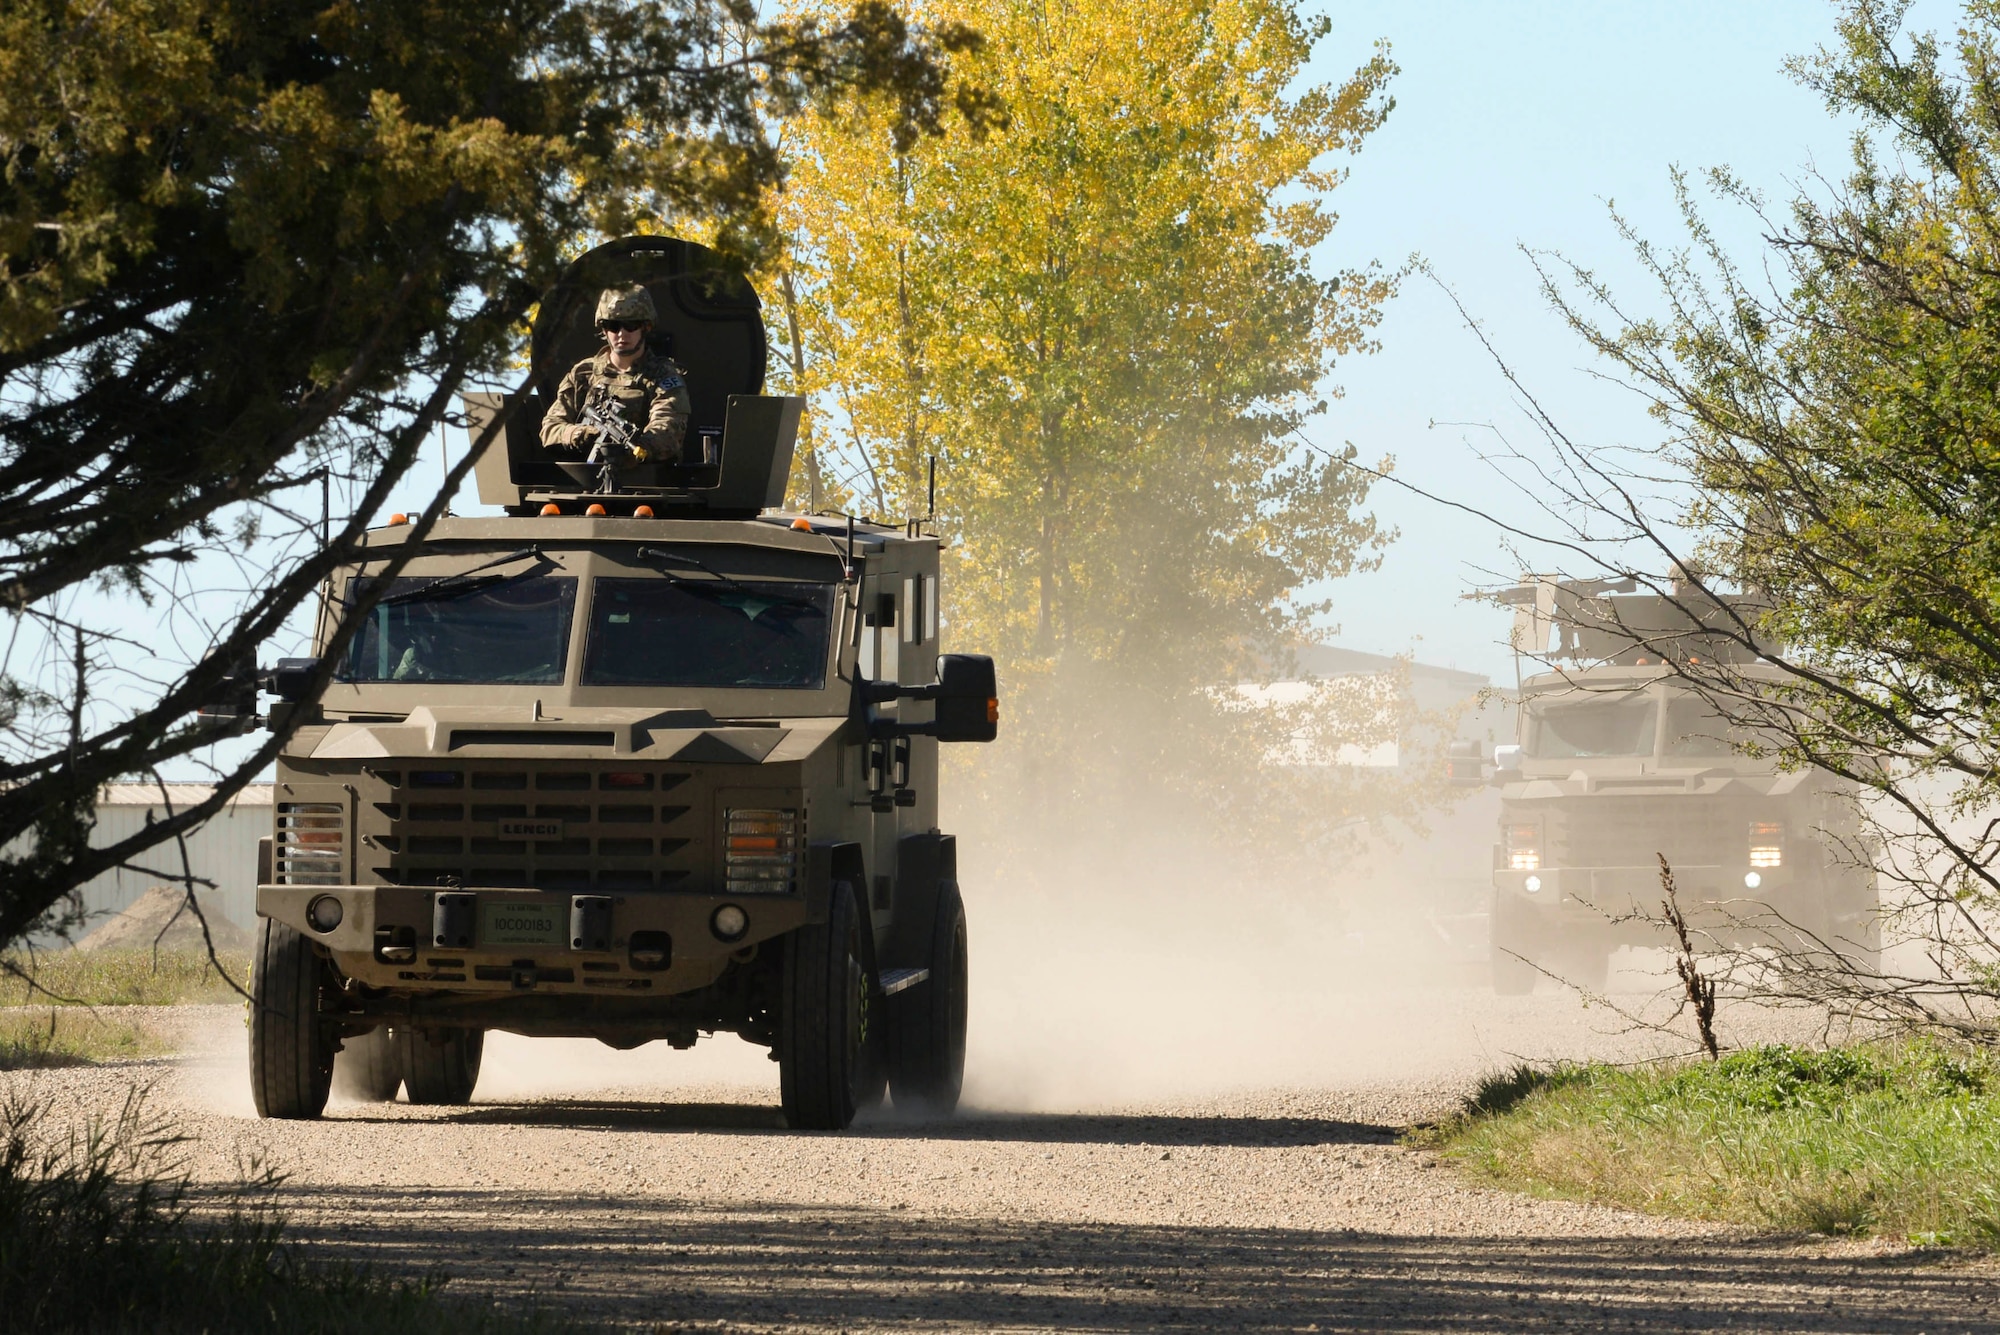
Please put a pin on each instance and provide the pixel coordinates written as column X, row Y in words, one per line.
column 369, row 1069
column 440, row 1066
column 1513, row 932
column 291, row 1047
column 1585, row 964
column 823, row 1019
column 926, row 1023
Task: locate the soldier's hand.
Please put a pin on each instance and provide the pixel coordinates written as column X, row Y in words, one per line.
column 583, row 435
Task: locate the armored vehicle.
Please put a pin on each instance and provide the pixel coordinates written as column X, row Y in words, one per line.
column 638, row 757
column 1621, row 761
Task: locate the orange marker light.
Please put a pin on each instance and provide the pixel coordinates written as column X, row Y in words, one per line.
column 802, row 524
column 596, row 509
column 551, row 509
column 992, row 711
column 642, row 512
column 398, row 519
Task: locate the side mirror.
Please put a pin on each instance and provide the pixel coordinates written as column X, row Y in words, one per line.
column 288, row 680
column 234, row 704
column 1506, row 764
column 968, row 699
column 1465, row 763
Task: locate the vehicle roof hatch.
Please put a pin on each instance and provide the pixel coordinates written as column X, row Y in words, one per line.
column 739, row 441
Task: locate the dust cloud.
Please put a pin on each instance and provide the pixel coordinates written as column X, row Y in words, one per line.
column 1148, row 965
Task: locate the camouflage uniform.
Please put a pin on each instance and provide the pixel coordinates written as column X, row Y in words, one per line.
column 652, row 396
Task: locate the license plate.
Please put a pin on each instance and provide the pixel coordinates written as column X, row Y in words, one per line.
column 521, row 922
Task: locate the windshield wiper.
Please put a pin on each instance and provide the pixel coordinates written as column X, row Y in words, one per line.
column 446, row 585
column 662, row 554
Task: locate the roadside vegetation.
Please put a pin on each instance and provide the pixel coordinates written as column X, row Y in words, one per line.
column 45, row 1036
column 101, row 1231
column 120, row 978
column 1898, row 1140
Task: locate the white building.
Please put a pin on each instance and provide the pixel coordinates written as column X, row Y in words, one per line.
column 222, row 850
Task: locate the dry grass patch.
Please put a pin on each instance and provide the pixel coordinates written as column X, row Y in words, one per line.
column 1891, row 1139
column 121, row 978
column 46, row 1036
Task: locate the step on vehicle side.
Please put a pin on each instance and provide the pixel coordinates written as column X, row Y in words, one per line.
column 1622, row 761
column 646, row 763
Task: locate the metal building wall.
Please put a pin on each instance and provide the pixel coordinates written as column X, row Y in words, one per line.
column 224, row 849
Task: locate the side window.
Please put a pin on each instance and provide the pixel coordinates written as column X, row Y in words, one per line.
column 920, row 619
column 879, row 657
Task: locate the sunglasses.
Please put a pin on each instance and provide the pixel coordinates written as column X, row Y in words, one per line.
column 622, row 326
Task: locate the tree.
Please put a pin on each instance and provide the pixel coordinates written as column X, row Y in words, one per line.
column 249, row 245
column 1105, row 320
column 1838, row 428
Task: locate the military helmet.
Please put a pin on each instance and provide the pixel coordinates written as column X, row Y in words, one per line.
column 626, row 303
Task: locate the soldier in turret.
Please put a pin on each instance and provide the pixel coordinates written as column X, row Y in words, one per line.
column 644, row 388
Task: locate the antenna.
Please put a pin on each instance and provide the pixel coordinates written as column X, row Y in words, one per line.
column 849, row 572
column 931, row 516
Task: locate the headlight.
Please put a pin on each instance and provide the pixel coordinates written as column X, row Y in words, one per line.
column 728, row 923
column 760, row 851
column 324, row 913
column 1524, row 847
column 1767, row 843
column 1751, row 880
column 1532, row 884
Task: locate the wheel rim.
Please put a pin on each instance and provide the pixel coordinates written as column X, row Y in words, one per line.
column 857, row 1013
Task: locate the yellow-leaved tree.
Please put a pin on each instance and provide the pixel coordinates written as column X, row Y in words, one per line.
column 1105, row 321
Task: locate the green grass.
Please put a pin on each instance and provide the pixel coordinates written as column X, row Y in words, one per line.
column 101, row 1232
column 1899, row 1140
column 121, row 978
column 45, row 1036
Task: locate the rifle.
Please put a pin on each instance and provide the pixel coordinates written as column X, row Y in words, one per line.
column 617, row 443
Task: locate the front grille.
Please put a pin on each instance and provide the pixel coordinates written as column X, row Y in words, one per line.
column 310, row 843
column 559, row 828
column 1635, row 831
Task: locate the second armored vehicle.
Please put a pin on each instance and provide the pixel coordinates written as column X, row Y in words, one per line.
column 1622, row 762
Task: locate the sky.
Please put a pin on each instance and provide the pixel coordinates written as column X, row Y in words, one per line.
column 1516, row 125
column 1519, row 125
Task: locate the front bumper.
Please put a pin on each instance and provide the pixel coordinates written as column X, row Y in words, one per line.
column 1594, row 894
column 387, row 937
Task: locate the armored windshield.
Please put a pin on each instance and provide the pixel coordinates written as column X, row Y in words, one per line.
column 483, row 631
column 1695, row 729
column 712, row 631
column 1619, row 726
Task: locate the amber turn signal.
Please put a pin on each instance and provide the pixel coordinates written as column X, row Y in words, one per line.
column 394, row 520
column 802, row 524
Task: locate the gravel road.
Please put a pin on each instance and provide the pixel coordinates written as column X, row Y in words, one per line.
column 660, row 1188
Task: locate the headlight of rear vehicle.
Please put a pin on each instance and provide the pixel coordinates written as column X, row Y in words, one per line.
column 1524, row 846
column 1767, row 843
